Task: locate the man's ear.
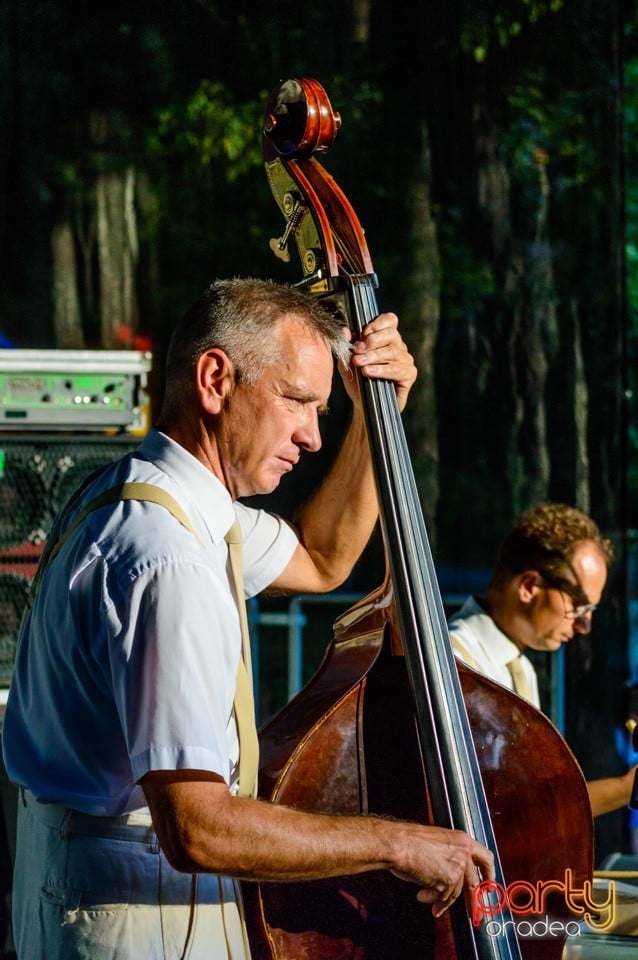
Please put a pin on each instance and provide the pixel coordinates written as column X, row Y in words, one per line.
column 215, row 378
column 527, row 584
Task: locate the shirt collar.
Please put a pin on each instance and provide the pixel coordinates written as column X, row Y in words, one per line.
column 203, row 491
column 502, row 650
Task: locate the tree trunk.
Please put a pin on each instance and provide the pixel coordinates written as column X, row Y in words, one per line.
column 581, row 421
column 423, row 299
column 67, row 321
column 361, row 10
column 528, row 322
column 117, row 257
column 536, row 333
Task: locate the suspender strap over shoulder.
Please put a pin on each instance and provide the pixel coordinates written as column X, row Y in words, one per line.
column 129, row 491
column 244, row 705
column 126, row 491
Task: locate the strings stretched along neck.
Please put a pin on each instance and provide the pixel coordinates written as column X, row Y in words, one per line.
column 453, row 773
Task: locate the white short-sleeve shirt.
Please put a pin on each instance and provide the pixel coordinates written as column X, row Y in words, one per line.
column 128, row 660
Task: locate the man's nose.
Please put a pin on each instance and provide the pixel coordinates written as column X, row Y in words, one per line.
column 583, row 624
column 307, row 434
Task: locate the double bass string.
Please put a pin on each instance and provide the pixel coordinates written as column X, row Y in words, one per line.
column 440, row 711
column 404, row 531
column 453, row 772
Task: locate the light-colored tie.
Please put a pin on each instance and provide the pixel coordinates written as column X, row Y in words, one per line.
column 244, row 699
column 519, row 678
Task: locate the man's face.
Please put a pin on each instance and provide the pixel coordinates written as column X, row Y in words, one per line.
column 552, row 612
column 266, row 425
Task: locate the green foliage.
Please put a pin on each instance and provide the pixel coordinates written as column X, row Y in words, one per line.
column 210, row 126
column 493, row 26
column 468, row 281
column 556, row 126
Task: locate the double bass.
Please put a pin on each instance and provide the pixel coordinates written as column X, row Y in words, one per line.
column 390, row 725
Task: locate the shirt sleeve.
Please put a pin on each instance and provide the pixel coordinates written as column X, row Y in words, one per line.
column 269, row 543
column 174, row 663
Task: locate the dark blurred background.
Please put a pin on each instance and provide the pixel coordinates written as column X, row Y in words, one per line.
column 488, row 148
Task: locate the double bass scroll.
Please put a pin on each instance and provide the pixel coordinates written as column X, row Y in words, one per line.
column 383, row 726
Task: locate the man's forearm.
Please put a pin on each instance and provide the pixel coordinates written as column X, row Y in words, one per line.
column 337, row 522
column 202, row 828
column 610, row 793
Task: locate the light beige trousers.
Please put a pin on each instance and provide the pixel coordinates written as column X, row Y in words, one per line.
column 99, row 888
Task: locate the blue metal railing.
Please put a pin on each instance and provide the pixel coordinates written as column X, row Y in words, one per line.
column 295, row 619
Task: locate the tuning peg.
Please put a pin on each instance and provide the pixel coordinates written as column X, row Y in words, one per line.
column 294, row 208
column 279, row 250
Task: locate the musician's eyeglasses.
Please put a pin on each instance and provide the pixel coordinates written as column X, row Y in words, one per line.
column 579, row 611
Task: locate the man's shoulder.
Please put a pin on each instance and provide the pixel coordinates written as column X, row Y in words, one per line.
column 470, row 613
column 133, row 515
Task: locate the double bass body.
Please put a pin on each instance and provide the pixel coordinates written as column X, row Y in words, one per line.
column 348, row 744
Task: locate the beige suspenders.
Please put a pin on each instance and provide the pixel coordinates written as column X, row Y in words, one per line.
column 244, row 698
column 244, row 703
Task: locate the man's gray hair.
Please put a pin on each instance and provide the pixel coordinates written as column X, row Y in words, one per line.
column 240, row 317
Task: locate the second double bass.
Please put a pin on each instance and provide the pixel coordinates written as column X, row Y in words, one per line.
column 388, row 726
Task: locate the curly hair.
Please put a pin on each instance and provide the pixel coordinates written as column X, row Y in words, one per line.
column 545, row 539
